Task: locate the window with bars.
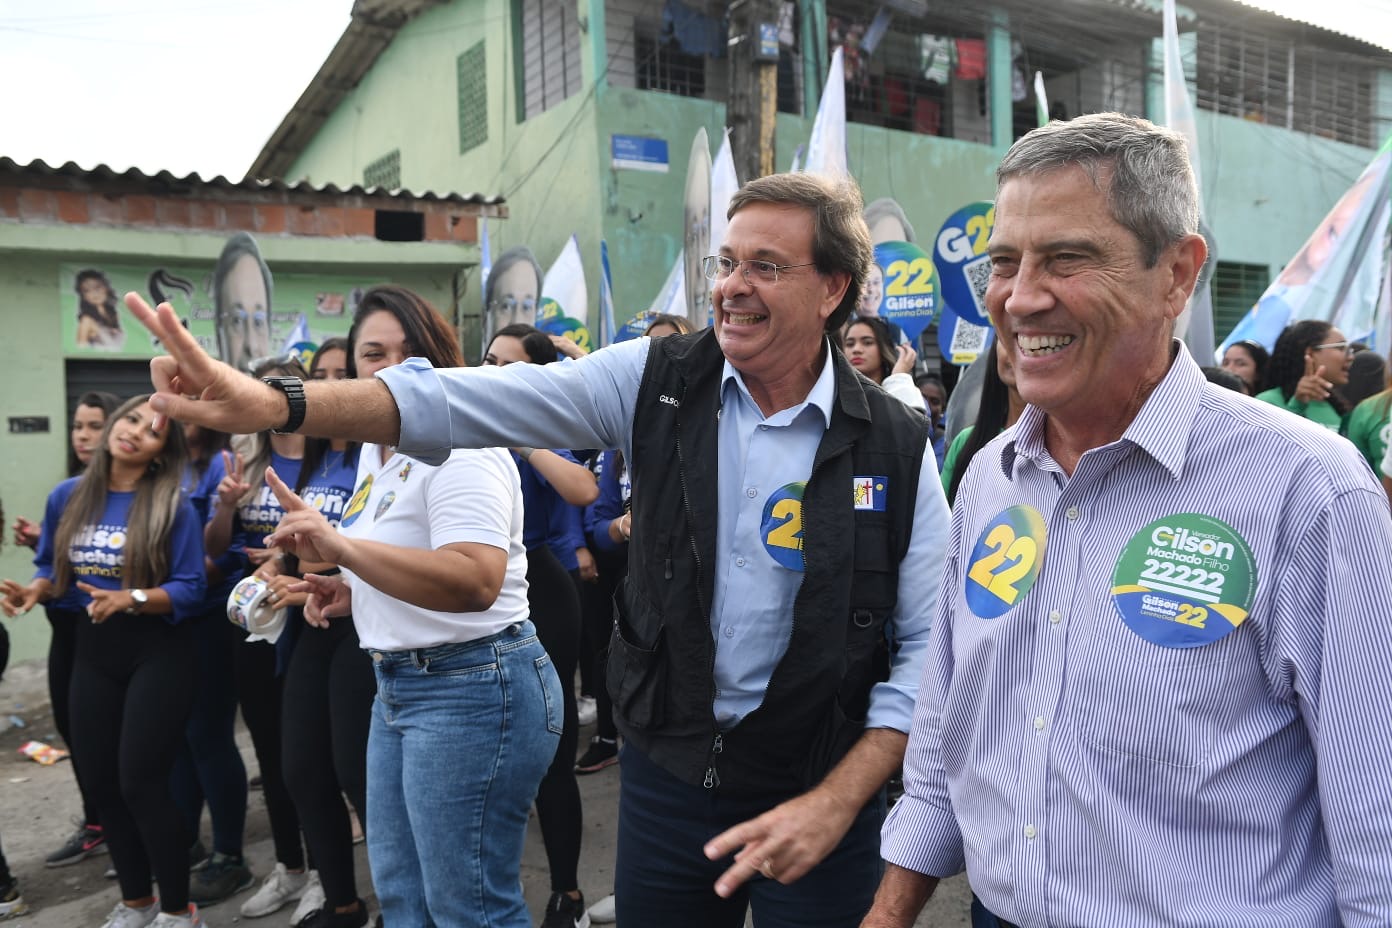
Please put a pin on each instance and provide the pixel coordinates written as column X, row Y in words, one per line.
column 1235, row 289
column 385, row 172
column 472, row 89
column 679, row 47
column 1272, row 79
column 549, row 54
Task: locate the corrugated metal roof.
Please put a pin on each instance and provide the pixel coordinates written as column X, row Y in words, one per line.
column 372, row 28
column 102, row 174
column 1322, row 21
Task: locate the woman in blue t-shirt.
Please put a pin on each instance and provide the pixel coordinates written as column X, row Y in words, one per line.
column 126, row 537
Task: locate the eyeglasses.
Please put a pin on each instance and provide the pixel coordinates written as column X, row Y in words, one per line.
column 510, row 304
column 718, row 267
column 1344, row 346
column 289, row 362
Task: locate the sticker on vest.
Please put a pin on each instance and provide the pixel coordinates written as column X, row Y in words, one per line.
column 781, row 528
column 870, row 492
column 384, row 505
column 1005, row 561
column 358, row 503
column 1184, row 581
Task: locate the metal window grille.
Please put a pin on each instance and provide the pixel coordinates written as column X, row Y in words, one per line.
column 665, row 68
column 385, row 172
column 1273, row 79
column 550, row 54
column 473, row 98
column 1235, row 289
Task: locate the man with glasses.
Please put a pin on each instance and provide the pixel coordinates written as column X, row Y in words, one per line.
column 788, row 538
column 1156, row 691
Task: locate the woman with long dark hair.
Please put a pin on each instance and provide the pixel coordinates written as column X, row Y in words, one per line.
column 1308, row 364
column 98, row 318
column 1000, row 406
column 468, row 707
column 870, row 347
column 125, row 535
column 1246, row 360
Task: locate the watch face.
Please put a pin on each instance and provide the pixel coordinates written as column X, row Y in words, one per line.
column 140, row 597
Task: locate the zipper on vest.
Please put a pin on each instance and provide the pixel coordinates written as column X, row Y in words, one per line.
column 712, row 779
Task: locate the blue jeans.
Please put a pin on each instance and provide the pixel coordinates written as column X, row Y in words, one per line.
column 662, row 876
column 461, row 736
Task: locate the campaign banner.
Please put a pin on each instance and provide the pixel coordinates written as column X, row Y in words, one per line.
column 963, row 265
column 826, row 150
column 961, row 342
column 670, row 300
column 906, row 283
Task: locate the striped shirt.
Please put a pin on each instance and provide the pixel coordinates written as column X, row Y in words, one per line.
column 1156, row 690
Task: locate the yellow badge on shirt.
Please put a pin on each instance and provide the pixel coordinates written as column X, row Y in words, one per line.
column 358, row 503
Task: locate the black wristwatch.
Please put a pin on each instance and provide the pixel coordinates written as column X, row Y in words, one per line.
column 293, row 388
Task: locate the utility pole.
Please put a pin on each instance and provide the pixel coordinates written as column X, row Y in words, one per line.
column 753, row 107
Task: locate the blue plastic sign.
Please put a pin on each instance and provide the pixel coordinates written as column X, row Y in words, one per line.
column 960, row 341
column 963, row 264
column 910, row 297
column 639, row 153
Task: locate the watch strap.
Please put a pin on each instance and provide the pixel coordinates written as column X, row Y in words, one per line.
column 293, row 388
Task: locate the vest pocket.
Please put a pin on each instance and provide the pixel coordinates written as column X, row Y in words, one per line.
column 636, row 684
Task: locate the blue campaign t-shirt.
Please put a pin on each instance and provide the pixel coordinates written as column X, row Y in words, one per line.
column 330, row 487
column 546, row 518
column 257, row 518
column 97, row 551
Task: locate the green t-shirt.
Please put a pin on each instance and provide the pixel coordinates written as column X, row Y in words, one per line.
column 1319, row 412
column 1369, row 426
column 949, row 467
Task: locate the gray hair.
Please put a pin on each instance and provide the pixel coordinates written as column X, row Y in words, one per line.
column 1143, row 169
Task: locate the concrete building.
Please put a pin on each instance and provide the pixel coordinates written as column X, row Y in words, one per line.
column 66, row 229
column 581, row 112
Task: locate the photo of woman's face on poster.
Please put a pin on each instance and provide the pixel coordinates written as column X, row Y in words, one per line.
column 514, row 288
column 98, row 317
column 242, row 298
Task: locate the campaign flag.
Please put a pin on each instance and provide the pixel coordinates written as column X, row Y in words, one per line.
column 1041, row 99
column 826, row 151
column 670, row 300
column 485, row 257
column 299, row 342
column 606, row 297
column 724, row 184
column 1195, row 324
column 565, row 304
column 797, row 159
column 1338, row 274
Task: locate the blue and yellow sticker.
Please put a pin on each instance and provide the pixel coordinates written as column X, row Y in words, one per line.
column 868, row 493
column 358, row 503
column 1185, row 581
column 781, row 526
column 1005, row 561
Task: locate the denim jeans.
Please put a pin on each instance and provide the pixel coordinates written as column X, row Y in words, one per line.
column 662, row 876
column 461, row 736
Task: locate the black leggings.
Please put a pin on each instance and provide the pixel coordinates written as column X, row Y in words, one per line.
column 329, row 688
column 556, row 613
column 259, row 693
column 597, row 607
column 132, row 686
column 62, row 645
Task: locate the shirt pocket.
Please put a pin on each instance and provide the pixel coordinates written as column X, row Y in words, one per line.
column 1136, row 699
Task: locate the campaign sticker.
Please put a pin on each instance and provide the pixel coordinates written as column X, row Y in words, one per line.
column 552, row 320
column 358, row 503
column 1005, row 561
column 963, row 264
column 960, row 341
column 869, row 493
column 910, row 297
column 781, row 527
column 1184, row 581
column 385, row 504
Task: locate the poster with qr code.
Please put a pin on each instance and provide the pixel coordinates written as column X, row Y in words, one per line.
column 960, row 341
column 911, row 296
column 963, row 265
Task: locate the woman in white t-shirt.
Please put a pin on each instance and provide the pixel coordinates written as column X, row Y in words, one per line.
column 468, row 708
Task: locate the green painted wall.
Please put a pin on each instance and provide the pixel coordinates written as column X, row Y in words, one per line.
column 33, row 378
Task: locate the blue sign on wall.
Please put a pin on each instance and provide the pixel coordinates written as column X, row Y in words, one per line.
column 639, row 153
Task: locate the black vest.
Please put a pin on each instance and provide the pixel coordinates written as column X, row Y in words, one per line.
column 661, row 659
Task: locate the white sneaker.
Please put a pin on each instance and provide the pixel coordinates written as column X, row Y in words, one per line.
column 278, row 889
column 191, row 920
column 311, row 900
column 587, row 709
column 123, row 916
column 602, row 912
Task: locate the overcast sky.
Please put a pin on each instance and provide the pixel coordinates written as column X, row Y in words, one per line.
column 200, row 85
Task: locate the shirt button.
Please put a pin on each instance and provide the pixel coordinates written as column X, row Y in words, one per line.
column 1055, row 617
column 1072, row 513
column 729, row 631
column 739, row 562
column 1039, row 723
column 1030, row 832
column 751, row 492
column 763, row 428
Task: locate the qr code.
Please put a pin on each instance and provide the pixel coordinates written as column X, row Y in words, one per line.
column 978, row 272
column 968, row 341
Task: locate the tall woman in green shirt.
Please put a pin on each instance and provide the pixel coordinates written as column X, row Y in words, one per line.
column 1310, row 360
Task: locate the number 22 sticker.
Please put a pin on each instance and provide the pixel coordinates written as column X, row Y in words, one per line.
column 1005, row 561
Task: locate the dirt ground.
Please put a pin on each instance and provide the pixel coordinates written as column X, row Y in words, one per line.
column 38, row 805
